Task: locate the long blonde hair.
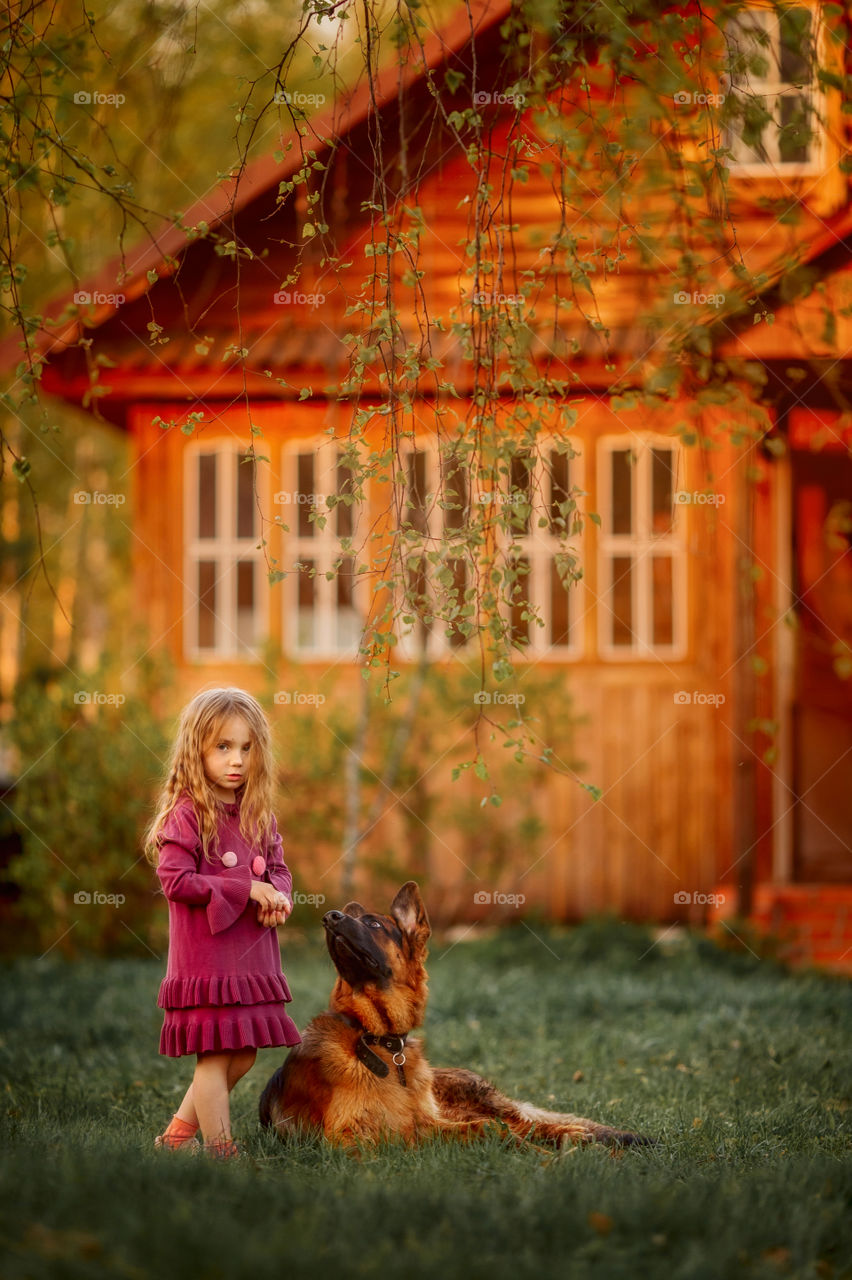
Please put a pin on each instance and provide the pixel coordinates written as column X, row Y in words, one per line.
column 200, row 725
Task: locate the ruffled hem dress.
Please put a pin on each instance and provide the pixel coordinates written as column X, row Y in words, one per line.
column 223, row 988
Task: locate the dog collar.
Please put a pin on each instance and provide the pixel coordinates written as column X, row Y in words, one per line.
column 394, row 1044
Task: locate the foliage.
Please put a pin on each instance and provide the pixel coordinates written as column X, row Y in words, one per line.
column 618, row 108
column 405, row 825
column 619, row 112
column 91, row 759
column 90, row 770
column 740, row 1069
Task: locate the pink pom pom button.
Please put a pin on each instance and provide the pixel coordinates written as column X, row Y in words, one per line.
column 258, row 865
column 229, row 859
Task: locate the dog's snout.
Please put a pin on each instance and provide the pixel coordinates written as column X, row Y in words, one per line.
column 332, row 917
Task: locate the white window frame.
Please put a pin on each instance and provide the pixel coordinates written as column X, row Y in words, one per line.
column 773, row 88
column 640, row 544
column 323, row 547
column 539, row 546
column 225, row 551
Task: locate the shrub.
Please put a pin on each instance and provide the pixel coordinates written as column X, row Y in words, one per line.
column 88, row 770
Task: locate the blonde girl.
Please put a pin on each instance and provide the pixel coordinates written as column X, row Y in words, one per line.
column 218, row 855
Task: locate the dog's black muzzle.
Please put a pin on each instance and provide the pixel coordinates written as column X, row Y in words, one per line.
column 354, row 949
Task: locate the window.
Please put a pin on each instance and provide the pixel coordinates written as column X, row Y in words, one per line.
column 543, row 492
column 642, row 559
column 322, row 598
column 224, row 578
column 771, row 84
column 540, row 491
column 436, row 506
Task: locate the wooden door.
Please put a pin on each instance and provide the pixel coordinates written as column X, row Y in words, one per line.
column 822, row 704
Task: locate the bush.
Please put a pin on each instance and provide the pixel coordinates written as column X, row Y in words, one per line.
column 87, row 776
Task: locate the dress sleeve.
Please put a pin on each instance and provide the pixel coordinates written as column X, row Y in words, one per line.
column 277, row 869
column 225, row 895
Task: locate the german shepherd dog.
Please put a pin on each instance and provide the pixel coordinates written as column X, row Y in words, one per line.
column 358, row 1077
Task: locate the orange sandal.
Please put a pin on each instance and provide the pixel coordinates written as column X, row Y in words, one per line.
column 178, row 1135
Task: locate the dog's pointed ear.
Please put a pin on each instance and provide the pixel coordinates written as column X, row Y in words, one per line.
column 409, row 912
column 354, row 909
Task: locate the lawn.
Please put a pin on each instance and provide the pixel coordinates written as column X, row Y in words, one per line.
column 742, row 1071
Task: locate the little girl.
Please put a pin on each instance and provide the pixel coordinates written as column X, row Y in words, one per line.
column 217, row 852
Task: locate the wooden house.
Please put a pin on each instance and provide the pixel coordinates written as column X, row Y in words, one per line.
column 708, row 641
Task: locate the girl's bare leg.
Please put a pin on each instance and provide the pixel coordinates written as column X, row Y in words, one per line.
column 210, row 1095
column 239, row 1063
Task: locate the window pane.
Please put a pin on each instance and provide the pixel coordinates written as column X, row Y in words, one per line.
column 417, row 600
column 455, row 637
column 519, row 596
column 662, row 489
column 245, row 496
column 622, row 491
column 663, row 600
column 306, row 607
column 348, row 623
column 621, row 601
column 794, row 31
column 560, row 492
column 559, row 612
column 795, row 136
column 520, row 481
column 344, row 514
column 207, row 495
column 245, row 604
column 416, row 497
column 305, row 494
column 454, row 496
column 207, row 604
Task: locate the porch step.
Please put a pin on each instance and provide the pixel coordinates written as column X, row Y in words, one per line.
column 813, row 922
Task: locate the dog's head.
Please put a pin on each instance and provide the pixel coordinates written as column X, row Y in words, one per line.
column 380, row 958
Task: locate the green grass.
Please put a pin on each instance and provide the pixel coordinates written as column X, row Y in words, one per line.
column 742, row 1070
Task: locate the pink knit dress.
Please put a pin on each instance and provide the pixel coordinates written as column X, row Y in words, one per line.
column 223, row 988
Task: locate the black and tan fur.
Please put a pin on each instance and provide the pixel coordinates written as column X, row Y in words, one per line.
column 323, row 1085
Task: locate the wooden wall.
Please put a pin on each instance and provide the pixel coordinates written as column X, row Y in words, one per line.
column 663, row 823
